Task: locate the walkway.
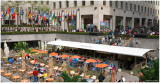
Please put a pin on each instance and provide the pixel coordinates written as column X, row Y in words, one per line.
column 3, row 79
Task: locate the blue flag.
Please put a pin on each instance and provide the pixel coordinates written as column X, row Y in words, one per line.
column 79, row 15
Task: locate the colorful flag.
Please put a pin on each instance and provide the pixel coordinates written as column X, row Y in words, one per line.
column 67, row 17
column 8, row 10
column 61, row 16
column 44, row 16
column 41, row 15
column 79, row 15
column 26, row 15
column 50, row 15
column 53, row 17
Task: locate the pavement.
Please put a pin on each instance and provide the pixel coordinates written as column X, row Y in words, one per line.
column 3, row 79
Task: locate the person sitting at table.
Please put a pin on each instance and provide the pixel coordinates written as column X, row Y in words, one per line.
column 101, row 77
column 45, row 75
column 111, row 65
column 35, row 74
column 10, row 61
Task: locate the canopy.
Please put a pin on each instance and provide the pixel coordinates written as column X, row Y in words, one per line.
column 90, row 60
column 75, row 56
column 53, row 54
column 101, row 65
column 130, row 51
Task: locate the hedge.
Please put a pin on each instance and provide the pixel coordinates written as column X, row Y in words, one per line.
column 153, row 36
column 45, row 32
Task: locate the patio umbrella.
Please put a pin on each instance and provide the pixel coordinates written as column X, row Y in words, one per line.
column 90, row 60
column 53, row 54
column 64, row 56
column 44, row 52
column 113, row 76
column 50, row 64
column 34, row 50
column 101, row 65
column 64, row 66
column 75, row 56
column 23, row 60
column 84, row 70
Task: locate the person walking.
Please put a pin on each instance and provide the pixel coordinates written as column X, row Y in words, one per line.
column 101, row 77
column 35, row 74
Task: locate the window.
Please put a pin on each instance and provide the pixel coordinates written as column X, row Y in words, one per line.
column 110, row 3
column 145, row 9
column 116, row 4
column 134, row 7
column 151, row 2
column 47, row 2
column 104, row 2
column 35, row 1
column 148, row 10
column 122, row 4
column 151, row 10
column 131, row 6
column 75, row 3
column 54, row 5
column 141, row 8
column 91, row 2
column 67, row 3
column 148, row 1
column 126, row 6
column 41, row 2
column 83, row 3
column 60, row 5
column 138, row 8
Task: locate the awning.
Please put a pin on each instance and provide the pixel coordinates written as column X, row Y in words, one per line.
column 130, row 51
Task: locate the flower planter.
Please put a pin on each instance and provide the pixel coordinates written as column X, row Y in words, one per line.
column 131, row 72
column 119, row 70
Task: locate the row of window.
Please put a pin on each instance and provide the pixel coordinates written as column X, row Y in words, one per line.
column 153, row 2
column 135, row 7
column 111, row 4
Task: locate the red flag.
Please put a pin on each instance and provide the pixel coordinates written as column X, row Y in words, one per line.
column 3, row 11
column 13, row 16
column 44, row 18
column 8, row 10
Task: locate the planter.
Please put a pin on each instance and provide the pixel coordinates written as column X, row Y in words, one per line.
column 119, row 70
column 131, row 72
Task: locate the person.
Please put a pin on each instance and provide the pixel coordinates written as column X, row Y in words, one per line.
column 123, row 79
column 101, row 77
column 104, row 73
column 35, row 74
column 111, row 65
column 45, row 75
column 10, row 61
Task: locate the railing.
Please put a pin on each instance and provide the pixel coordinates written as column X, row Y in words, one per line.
column 30, row 29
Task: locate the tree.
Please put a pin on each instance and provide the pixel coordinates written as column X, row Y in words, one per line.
column 20, row 46
column 151, row 74
column 67, row 78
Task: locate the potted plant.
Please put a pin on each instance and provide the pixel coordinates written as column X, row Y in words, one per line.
column 119, row 69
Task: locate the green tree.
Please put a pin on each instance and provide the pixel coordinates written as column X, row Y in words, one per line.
column 67, row 78
column 151, row 74
column 20, row 46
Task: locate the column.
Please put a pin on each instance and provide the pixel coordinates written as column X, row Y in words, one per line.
column 140, row 22
column 114, row 22
column 110, row 23
column 132, row 22
column 97, row 18
column 145, row 23
column 124, row 22
column 62, row 22
column 78, row 20
column 42, row 45
column 152, row 22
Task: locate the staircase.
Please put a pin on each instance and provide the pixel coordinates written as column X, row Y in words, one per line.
column 125, row 43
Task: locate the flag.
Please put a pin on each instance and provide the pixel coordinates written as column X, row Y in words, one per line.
column 44, row 16
column 61, row 16
column 12, row 11
column 73, row 15
column 26, row 15
column 8, row 10
column 47, row 15
column 13, row 16
column 79, row 15
column 67, row 17
column 53, row 17
column 50, row 15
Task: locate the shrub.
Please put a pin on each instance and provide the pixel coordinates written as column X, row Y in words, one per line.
column 152, row 36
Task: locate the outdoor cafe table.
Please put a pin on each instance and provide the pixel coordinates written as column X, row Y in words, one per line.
column 16, row 77
column 49, row 79
column 42, row 64
column 2, row 71
column 24, row 80
column 30, row 72
column 8, row 74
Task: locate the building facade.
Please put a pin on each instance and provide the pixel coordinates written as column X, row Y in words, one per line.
column 103, row 14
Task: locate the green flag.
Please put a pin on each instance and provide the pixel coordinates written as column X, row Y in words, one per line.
column 53, row 16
